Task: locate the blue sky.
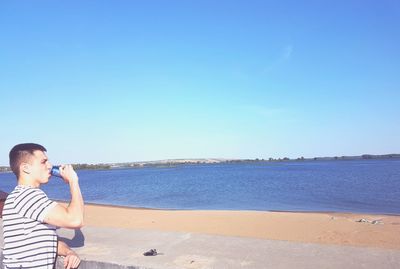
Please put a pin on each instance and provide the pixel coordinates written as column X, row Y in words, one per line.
column 115, row 81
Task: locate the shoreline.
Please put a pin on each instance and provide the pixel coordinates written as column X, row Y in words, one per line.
column 238, row 210
column 346, row 229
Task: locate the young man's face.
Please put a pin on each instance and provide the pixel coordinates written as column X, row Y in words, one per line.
column 39, row 167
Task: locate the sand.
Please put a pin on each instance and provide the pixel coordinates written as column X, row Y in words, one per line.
column 321, row 228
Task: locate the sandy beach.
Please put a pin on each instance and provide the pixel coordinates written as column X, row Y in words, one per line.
column 379, row 231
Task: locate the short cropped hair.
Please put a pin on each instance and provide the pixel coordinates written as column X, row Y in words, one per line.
column 20, row 153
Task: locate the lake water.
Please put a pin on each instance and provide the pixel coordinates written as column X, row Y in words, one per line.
column 365, row 186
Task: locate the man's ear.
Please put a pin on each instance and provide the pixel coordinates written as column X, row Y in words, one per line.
column 25, row 168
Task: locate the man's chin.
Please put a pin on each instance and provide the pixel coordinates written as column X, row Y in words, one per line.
column 46, row 180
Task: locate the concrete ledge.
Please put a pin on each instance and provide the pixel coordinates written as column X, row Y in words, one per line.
column 99, row 265
column 87, row 264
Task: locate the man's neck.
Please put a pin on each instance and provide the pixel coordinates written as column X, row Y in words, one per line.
column 22, row 181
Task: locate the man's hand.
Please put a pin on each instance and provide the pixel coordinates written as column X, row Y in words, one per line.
column 71, row 260
column 68, row 173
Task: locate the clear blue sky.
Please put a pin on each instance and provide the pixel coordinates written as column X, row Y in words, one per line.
column 114, row 81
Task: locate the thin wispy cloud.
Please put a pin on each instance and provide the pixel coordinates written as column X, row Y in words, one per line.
column 263, row 111
column 287, row 53
column 284, row 56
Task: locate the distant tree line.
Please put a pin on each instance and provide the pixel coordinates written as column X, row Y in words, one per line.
column 4, row 169
column 78, row 166
column 81, row 166
column 160, row 164
column 386, row 156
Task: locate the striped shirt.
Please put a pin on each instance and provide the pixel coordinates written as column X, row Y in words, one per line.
column 28, row 241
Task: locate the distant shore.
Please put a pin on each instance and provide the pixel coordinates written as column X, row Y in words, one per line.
column 364, row 230
column 176, row 162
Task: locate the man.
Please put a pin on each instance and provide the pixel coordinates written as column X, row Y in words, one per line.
column 30, row 218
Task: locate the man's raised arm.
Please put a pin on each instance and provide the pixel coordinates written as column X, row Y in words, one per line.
column 72, row 215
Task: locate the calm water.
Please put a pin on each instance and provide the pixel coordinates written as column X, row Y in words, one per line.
column 370, row 186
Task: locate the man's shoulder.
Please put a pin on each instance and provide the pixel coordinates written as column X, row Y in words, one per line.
column 28, row 202
column 21, row 192
column 14, row 193
column 22, row 189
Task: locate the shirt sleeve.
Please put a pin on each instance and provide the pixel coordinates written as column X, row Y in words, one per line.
column 33, row 204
